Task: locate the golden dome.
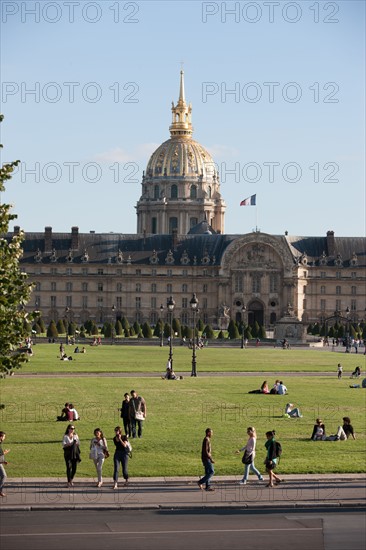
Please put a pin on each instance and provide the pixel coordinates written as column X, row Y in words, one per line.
column 181, row 155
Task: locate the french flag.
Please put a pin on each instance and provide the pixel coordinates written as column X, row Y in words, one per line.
column 249, row 201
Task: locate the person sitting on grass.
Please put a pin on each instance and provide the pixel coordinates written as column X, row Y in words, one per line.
column 344, row 432
column 263, row 389
column 291, row 412
column 318, row 431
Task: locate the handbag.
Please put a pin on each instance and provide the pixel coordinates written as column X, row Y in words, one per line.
column 139, row 415
column 247, row 458
column 105, row 450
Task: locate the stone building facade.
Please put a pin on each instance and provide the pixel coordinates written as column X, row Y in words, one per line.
column 180, row 248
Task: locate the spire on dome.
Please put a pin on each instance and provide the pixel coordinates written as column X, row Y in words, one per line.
column 181, row 114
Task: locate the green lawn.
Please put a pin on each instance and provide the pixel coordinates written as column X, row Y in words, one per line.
column 179, row 411
column 137, row 359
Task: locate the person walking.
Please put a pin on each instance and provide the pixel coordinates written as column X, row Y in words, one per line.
column 121, row 455
column 137, row 410
column 339, row 371
column 271, row 458
column 3, row 462
column 98, row 452
column 249, row 456
column 71, row 447
column 125, row 414
column 207, row 461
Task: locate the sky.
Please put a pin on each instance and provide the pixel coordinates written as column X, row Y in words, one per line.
column 277, row 91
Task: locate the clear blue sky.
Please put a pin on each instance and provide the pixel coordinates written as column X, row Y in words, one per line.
column 105, row 73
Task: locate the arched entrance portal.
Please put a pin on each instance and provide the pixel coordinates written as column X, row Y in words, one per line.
column 255, row 313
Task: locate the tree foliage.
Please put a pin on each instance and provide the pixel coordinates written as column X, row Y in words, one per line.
column 15, row 289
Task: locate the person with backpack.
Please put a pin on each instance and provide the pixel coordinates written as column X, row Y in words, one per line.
column 274, row 451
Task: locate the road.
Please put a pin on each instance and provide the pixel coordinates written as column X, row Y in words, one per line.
column 219, row 529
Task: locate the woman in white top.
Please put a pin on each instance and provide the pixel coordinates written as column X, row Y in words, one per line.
column 249, row 456
column 98, row 452
column 70, row 445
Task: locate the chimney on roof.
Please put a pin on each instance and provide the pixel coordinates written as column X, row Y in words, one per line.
column 48, row 239
column 16, row 229
column 74, row 238
column 330, row 243
column 175, row 238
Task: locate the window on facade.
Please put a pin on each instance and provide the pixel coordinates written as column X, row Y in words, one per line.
column 53, row 287
column 256, row 284
column 153, row 303
column 84, row 287
column 138, row 271
column 119, row 287
column 38, row 286
column 205, row 289
column 238, row 281
column 153, row 272
column 322, row 289
column 273, row 282
column 138, row 287
column 53, row 271
column 119, row 272
column 353, row 305
column 174, row 192
column 184, row 303
column 193, row 222
column 185, row 273
column 353, row 290
column 53, row 301
column 37, row 302
column 100, row 301
column 169, row 288
column 153, row 288
column 209, row 191
column 353, row 274
column 322, row 305
column 204, row 303
column 154, row 226
column 338, row 275
column 84, row 271
column 68, row 271
column 68, row 301
column 323, row 274
column 184, row 318
column 173, row 224
column 138, row 302
column 153, row 318
column 156, row 192
column 100, row 271
column 338, row 290
column 139, row 317
column 338, row 305
column 205, row 318
column 100, row 287
column 184, row 288
column 204, row 272
column 84, row 302
column 193, row 192
column 119, row 302
column 68, row 287
column 169, row 272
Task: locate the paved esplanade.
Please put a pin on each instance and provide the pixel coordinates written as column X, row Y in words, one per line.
column 297, row 491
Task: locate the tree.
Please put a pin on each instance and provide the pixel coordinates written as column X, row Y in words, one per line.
column 146, row 330
column 208, row 332
column 60, row 327
column 233, row 330
column 221, row 335
column 199, row 325
column 177, row 329
column 15, row 290
column 52, row 330
column 118, row 328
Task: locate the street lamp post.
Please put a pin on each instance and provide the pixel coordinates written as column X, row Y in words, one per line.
column 243, row 310
column 194, row 307
column 161, row 326
column 170, row 305
column 348, row 337
column 113, row 322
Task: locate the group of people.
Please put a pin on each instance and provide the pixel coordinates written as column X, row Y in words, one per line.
column 170, row 374
column 68, row 414
column 249, row 453
column 133, row 413
column 343, row 432
column 278, row 388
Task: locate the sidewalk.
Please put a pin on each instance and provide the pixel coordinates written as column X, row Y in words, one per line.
column 297, row 491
